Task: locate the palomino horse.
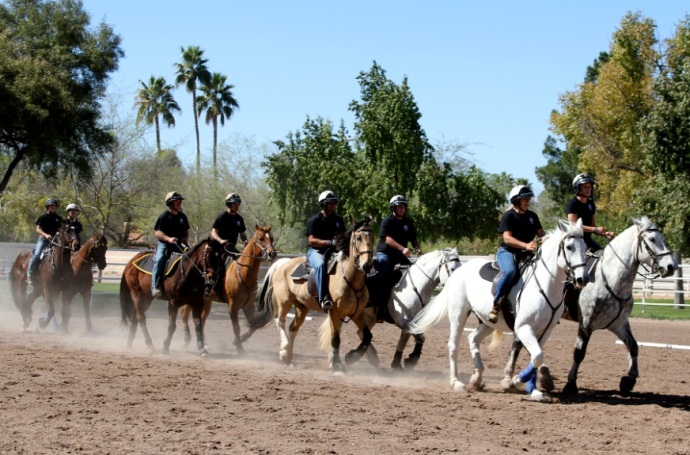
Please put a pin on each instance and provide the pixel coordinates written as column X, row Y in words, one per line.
column 90, row 254
column 279, row 293
column 606, row 302
column 52, row 271
column 239, row 288
column 410, row 295
column 190, row 283
column 538, row 307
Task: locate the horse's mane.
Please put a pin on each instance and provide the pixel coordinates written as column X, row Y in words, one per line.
column 342, row 241
column 208, row 240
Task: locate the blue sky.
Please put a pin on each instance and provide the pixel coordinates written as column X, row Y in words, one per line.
column 486, row 74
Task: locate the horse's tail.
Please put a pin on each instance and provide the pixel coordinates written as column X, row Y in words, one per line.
column 496, row 340
column 431, row 314
column 325, row 335
column 126, row 303
column 264, row 300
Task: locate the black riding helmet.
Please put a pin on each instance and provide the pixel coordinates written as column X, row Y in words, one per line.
column 52, row 201
column 581, row 179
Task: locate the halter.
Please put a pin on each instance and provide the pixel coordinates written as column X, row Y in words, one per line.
column 265, row 253
column 655, row 257
column 443, row 263
column 208, row 281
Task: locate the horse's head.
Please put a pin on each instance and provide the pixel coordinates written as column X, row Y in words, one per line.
column 70, row 238
column 99, row 246
column 450, row 262
column 652, row 249
column 207, row 256
column 263, row 240
column 358, row 244
column 571, row 252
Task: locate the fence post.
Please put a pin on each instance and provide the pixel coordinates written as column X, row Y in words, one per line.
column 679, row 298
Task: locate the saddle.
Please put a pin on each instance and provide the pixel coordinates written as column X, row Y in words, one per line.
column 492, row 272
column 145, row 263
column 571, row 295
column 305, row 272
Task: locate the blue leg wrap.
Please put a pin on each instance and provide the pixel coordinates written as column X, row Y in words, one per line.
column 528, row 376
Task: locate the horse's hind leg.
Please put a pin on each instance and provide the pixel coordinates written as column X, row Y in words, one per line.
column 578, row 356
column 413, row 358
column 172, row 326
column 458, row 318
column 249, row 314
column 86, row 300
column 628, row 381
column 475, row 340
column 141, row 319
column 365, row 340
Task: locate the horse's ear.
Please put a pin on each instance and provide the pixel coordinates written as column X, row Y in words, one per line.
column 562, row 226
column 367, row 219
column 352, row 221
column 256, row 226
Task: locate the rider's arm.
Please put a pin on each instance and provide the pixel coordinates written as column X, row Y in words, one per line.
column 41, row 233
column 243, row 236
column 390, row 241
column 509, row 240
column 316, row 242
column 216, row 237
column 160, row 235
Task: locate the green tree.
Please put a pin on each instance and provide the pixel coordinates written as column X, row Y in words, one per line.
column 219, row 103
column 388, row 131
column 557, row 176
column 54, row 69
column 155, row 100
column 192, row 69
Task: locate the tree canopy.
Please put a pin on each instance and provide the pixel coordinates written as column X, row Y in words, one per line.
column 54, row 69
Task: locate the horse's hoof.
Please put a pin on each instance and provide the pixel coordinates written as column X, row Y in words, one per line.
column 396, row 366
column 338, row 372
column 571, row 388
column 410, row 363
column 458, row 387
column 626, row 385
column 352, row 356
column 203, row 353
column 517, row 385
column 540, row 397
column 43, row 323
column 507, row 385
column 546, row 380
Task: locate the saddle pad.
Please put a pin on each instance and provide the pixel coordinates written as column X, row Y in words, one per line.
column 145, row 263
column 301, row 272
column 488, row 272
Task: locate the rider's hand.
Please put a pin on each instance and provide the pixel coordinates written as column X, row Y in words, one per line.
column 174, row 240
column 610, row 235
column 531, row 246
column 405, row 251
column 49, row 237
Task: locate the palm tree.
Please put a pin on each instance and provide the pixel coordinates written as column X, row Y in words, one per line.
column 155, row 99
column 193, row 68
column 219, row 103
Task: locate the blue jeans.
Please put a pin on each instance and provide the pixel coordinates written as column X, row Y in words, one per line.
column 318, row 263
column 163, row 251
column 506, row 261
column 41, row 245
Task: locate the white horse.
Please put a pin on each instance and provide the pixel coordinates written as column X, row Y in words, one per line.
column 607, row 301
column 538, row 307
column 410, row 295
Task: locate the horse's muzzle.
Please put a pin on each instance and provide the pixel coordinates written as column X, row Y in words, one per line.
column 367, row 267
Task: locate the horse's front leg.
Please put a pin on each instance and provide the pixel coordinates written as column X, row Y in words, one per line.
column 527, row 379
column 474, row 340
column 172, row 325
column 509, row 370
column 184, row 316
column 86, row 301
column 583, row 337
column 66, row 311
column 249, row 314
column 197, row 311
column 365, row 341
column 627, row 382
column 236, row 329
column 50, row 313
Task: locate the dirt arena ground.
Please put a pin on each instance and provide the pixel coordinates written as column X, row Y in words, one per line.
column 89, row 394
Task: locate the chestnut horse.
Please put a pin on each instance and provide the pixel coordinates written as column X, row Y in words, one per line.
column 52, row 271
column 90, row 254
column 279, row 294
column 239, row 288
column 189, row 283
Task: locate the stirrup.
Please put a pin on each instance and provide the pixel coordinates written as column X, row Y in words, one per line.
column 493, row 315
column 327, row 304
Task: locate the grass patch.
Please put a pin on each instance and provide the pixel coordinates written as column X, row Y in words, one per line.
column 660, row 312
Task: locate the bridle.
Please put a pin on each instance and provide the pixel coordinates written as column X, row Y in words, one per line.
column 353, row 246
column 442, row 264
column 209, row 279
column 267, row 253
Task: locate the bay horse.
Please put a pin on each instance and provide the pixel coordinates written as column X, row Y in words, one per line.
column 279, row 293
column 538, row 307
column 82, row 261
column 53, row 271
column 411, row 294
column 606, row 302
column 238, row 289
column 189, row 283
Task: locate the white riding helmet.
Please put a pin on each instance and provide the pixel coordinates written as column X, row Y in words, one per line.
column 328, row 196
column 72, row 206
column 520, row 192
column 398, row 199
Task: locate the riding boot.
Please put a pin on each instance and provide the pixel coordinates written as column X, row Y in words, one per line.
column 493, row 314
column 326, row 301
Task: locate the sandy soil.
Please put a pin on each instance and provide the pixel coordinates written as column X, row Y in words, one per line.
column 79, row 393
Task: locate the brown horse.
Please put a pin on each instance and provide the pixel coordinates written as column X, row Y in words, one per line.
column 279, row 293
column 190, row 283
column 239, row 287
column 90, row 254
column 53, row 271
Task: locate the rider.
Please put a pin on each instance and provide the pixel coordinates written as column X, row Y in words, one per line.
column 72, row 211
column 47, row 226
column 171, row 230
column 397, row 230
column 582, row 206
column 518, row 227
column 321, row 231
column 230, row 224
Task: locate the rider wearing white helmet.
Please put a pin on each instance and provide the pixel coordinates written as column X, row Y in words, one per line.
column 47, row 226
column 582, row 207
column 397, row 231
column 518, row 227
column 321, row 231
column 72, row 210
column 171, row 230
column 230, row 224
